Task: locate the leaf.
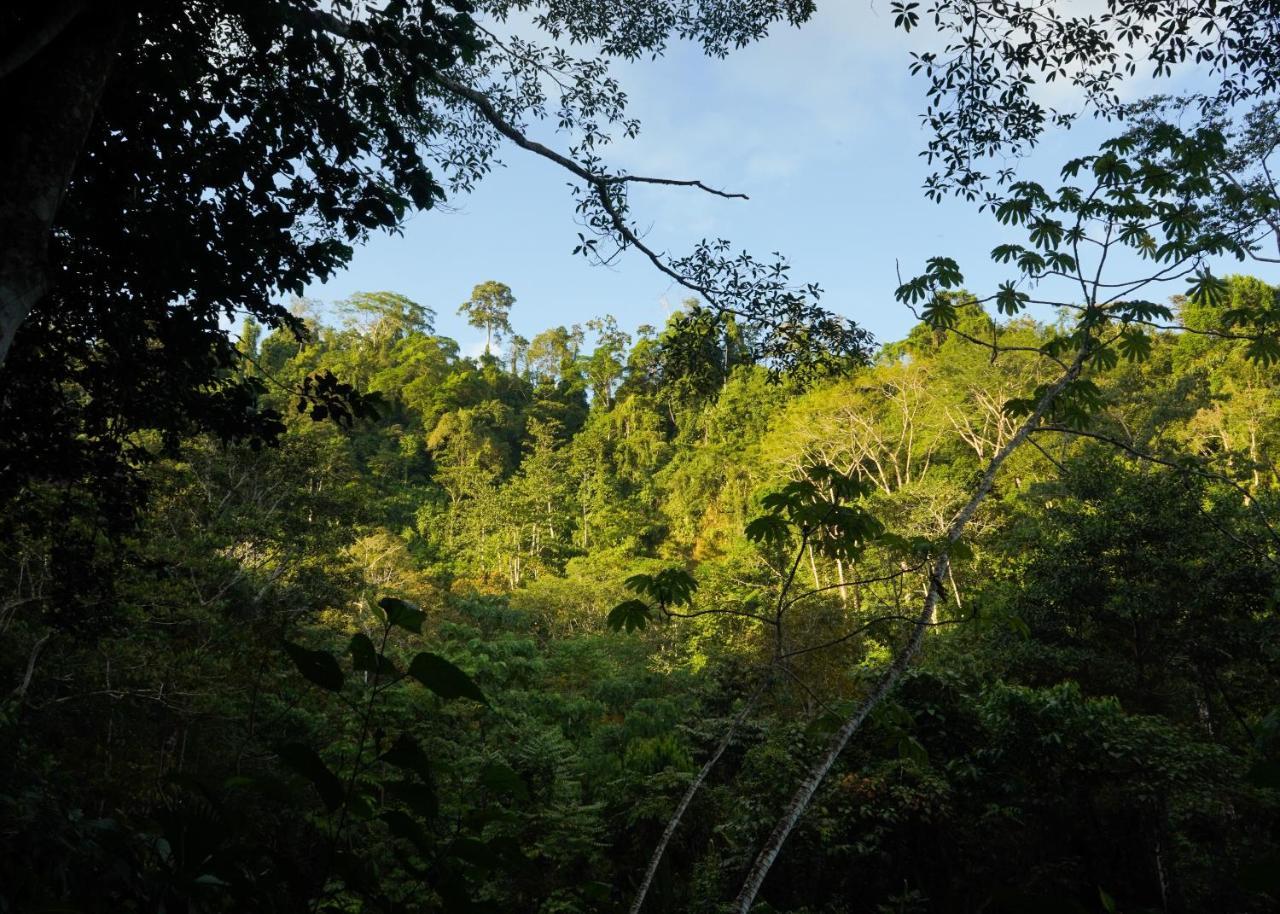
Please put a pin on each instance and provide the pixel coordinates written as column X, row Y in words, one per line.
column 502, row 778
column 669, row 587
column 639, row 583
column 408, row 756
column 940, row 313
column 319, row 667
column 403, row 826
column 405, row 615
column 630, row 615
column 1018, row 625
column 910, row 749
column 421, row 798
column 822, row 726
column 1135, row 345
column 1264, row 350
column 905, row 16
column 365, row 657
column 1207, row 289
column 1108, row 903
column 768, row 528
column 1018, row 407
column 443, row 678
column 304, row 760
column 674, row 587
column 475, row 852
column 1265, row 774
column 1009, row 300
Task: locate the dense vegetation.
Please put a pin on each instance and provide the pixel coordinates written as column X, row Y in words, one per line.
column 742, row 614
column 1092, row 724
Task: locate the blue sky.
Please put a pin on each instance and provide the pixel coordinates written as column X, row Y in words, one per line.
column 818, row 125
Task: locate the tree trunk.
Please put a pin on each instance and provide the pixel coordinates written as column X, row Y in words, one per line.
column 674, row 822
column 47, row 105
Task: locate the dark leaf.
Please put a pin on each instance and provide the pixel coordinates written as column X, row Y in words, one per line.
column 421, row 798
column 403, row 614
column 443, row 678
column 304, row 760
column 502, row 778
column 319, row 667
column 630, row 615
column 408, row 756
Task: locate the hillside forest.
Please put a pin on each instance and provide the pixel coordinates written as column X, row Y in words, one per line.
column 470, row 650
column 959, row 595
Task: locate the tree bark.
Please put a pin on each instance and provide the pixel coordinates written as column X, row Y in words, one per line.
column 47, row 103
column 937, row 573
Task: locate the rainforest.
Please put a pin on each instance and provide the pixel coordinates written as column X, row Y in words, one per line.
column 717, row 602
column 1093, row 710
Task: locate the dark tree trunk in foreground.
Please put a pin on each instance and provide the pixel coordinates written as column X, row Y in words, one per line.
column 51, row 78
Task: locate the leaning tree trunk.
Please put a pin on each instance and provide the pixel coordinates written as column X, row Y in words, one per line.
column 694, row 786
column 938, row 570
column 51, row 79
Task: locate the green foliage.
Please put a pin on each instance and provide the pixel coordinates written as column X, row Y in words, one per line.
column 481, row 739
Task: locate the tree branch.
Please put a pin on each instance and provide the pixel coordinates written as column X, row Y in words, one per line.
column 41, row 35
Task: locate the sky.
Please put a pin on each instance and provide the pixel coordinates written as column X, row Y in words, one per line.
column 819, row 126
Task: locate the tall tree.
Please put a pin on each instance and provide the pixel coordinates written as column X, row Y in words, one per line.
column 489, row 307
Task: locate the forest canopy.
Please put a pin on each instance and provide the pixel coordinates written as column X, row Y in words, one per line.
column 1093, row 712
column 308, row 606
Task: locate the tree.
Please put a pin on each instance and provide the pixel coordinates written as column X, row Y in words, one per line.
column 518, row 352
column 984, row 84
column 1143, row 194
column 489, row 307
column 604, row 368
column 387, row 317
column 173, row 165
column 553, row 354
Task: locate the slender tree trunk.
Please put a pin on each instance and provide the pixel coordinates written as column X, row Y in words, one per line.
column 48, row 100
column 694, row 786
column 938, row 571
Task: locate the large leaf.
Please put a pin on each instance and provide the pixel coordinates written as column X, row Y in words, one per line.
column 475, row 852
column 768, row 528
column 319, row 667
column 670, row 587
column 365, row 657
column 629, row 615
column 403, row 614
column 304, row 760
column 408, row 756
column 443, row 678
column 403, row 826
column 502, row 778
column 421, row 798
